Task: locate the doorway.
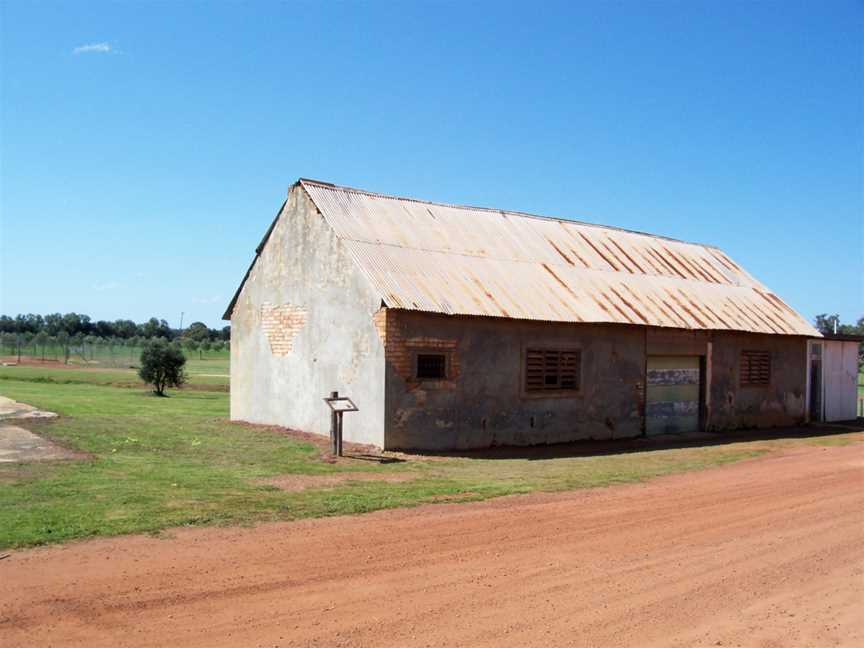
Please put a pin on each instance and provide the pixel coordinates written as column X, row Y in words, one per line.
column 673, row 394
column 814, row 381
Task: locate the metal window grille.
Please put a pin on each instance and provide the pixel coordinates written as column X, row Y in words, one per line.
column 755, row 368
column 432, row 366
column 552, row 369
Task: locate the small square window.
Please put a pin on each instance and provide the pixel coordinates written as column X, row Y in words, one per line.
column 431, row 366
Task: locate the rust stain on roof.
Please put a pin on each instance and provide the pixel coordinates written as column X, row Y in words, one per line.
column 558, row 250
column 629, row 305
column 490, row 296
column 558, row 279
column 629, row 258
column 594, row 247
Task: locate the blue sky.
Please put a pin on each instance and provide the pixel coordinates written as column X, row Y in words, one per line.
column 146, row 146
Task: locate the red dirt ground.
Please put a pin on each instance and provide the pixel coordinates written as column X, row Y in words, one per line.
column 765, row 552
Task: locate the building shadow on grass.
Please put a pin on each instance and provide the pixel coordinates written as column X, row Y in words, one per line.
column 591, row 448
column 372, row 458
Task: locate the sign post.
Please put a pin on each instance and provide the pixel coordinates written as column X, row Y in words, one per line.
column 338, row 406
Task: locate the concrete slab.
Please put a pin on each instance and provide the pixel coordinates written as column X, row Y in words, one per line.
column 10, row 409
column 18, row 445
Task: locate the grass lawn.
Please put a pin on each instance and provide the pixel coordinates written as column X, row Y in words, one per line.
column 156, row 462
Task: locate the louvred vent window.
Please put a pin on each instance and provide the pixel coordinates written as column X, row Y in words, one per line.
column 755, row 368
column 552, row 370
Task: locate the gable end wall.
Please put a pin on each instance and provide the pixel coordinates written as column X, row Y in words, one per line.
column 302, row 327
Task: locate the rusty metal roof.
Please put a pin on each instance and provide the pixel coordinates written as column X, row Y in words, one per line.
column 460, row 260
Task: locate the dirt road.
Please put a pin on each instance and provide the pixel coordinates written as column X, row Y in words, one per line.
column 767, row 552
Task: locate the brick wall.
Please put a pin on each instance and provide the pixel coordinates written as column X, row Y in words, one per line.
column 281, row 324
column 399, row 348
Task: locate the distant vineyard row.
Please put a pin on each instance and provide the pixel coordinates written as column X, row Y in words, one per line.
column 93, row 349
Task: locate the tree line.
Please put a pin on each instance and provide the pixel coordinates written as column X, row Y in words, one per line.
column 75, row 324
column 830, row 324
column 57, row 335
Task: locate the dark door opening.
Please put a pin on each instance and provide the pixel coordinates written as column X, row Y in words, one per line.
column 816, row 383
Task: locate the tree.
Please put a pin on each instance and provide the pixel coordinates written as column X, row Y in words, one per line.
column 155, row 328
column 830, row 324
column 162, row 365
column 102, row 329
column 827, row 324
column 76, row 342
column 191, row 345
column 197, row 331
column 204, row 346
column 63, row 341
column 24, row 340
column 89, row 341
column 52, row 344
column 53, row 323
column 112, row 342
column 41, row 340
column 71, row 323
column 125, row 328
column 133, row 343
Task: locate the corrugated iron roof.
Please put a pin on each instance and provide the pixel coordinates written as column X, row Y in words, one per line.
column 475, row 261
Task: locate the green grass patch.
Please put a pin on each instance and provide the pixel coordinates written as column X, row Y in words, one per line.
column 209, row 374
column 155, row 463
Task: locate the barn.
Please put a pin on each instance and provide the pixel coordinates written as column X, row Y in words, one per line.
column 463, row 327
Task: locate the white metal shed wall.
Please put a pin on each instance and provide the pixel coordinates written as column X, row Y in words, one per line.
column 840, row 376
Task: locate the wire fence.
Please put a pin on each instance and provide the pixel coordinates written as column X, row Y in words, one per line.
column 115, row 354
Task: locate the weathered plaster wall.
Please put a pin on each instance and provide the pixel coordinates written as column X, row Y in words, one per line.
column 483, row 403
column 303, row 327
column 782, row 402
column 729, row 405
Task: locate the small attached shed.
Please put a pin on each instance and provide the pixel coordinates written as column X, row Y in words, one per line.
column 467, row 327
column 832, row 381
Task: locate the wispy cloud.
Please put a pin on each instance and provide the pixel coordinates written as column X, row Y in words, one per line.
column 208, row 300
column 94, row 48
column 108, row 285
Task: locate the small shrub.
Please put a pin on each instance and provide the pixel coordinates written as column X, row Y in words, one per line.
column 162, row 365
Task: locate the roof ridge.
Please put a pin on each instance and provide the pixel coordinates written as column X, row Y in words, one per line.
column 560, row 219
